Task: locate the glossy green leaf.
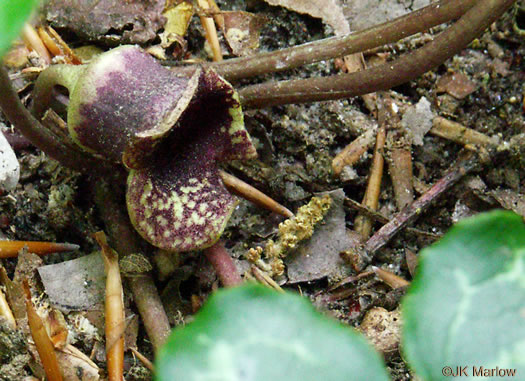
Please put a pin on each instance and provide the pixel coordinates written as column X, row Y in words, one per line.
column 13, row 14
column 254, row 333
column 466, row 306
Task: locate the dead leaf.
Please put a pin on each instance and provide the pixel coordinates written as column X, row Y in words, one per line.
column 456, row 84
column 319, row 256
column 412, row 261
column 510, row 200
column 328, row 10
column 110, row 21
column 242, row 30
column 75, row 285
column 75, row 365
column 177, row 21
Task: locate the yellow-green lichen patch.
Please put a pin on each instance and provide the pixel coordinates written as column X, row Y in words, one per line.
column 292, row 231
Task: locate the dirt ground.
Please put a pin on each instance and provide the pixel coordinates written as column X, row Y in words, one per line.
column 481, row 88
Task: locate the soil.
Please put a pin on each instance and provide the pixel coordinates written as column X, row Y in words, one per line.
column 296, row 145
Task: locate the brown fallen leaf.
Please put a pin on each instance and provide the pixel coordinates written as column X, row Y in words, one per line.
column 456, row 84
column 178, row 19
column 110, row 21
column 328, row 10
column 510, row 200
column 319, row 256
column 411, row 260
column 331, row 12
column 75, row 285
column 242, row 30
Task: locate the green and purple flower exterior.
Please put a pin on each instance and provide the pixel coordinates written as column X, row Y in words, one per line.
column 171, row 132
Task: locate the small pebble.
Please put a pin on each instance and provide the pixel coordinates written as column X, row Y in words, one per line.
column 9, row 166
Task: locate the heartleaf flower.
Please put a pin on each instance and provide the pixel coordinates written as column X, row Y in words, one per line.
column 171, row 131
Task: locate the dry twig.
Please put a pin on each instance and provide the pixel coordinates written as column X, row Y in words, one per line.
column 466, row 162
column 211, row 31
column 114, row 311
column 363, row 224
column 10, row 249
column 43, row 343
column 246, row 191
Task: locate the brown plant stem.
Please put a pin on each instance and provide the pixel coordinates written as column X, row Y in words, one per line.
column 10, row 249
column 143, row 359
column 399, row 158
column 5, row 311
column 265, row 279
column 382, row 77
column 400, row 168
column 39, row 136
column 223, row 264
column 211, row 31
column 43, row 343
column 393, row 280
column 460, row 134
column 353, row 151
column 383, row 220
column 418, row 21
column 246, row 191
column 113, row 311
column 34, row 42
column 125, row 240
column 466, row 162
column 363, row 224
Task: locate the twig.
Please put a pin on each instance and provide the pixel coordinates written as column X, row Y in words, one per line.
column 363, row 224
column 418, row 21
column 114, row 311
column 246, row 191
column 223, row 265
column 5, row 311
column 390, row 278
column 57, row 46
column 460, row 134
column 399, row 158
column 125, row 241
column 353, row 151
column 466, row 162
column 43, row 344
column 34, row 42
column 400, row 168
column 211, row 31
column 383, row 220
column 143, row 359
column 382, row 77
column 264, row 278
column 10, row 249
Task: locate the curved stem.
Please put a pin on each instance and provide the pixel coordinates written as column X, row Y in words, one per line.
column 391, row 31
column 382, row 77
column 223, row 264
column 37, row 134
column 56, row 75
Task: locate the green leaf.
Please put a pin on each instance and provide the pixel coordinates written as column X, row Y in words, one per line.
column 254, row 333
column 13, row 14
column 466, row 306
